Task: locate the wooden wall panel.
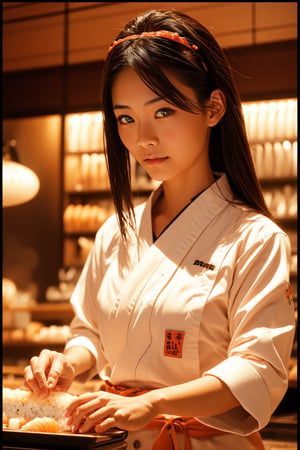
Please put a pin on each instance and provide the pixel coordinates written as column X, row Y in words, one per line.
column 34, row 32
column 32, row 92
column 261, row 72
column 266, row 71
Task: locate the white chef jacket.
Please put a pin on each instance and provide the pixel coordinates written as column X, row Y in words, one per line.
column 209, row 296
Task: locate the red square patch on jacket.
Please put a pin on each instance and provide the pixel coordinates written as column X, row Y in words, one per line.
column 173, row 343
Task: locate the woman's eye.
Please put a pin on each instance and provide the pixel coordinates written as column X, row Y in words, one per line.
column 164, row 112
column 124, row 120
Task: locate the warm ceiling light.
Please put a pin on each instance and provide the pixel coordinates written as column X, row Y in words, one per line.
column 20, row 184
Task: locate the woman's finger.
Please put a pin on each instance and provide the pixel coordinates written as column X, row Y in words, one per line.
column 105, row 425
column 41, row 366
column 83, row 411
column 83, row 399
column 55, row 371
column 39, row 373
column 91, row 420
column 30, row 382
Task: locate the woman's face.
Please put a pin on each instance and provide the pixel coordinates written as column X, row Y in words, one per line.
column 168, row 142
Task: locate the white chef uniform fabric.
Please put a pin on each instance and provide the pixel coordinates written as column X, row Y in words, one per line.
column 209, row 296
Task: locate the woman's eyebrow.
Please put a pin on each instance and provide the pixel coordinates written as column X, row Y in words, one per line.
column 154, row 100
column 149, row 102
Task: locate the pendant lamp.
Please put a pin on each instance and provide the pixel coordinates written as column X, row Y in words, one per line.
column 20, row 184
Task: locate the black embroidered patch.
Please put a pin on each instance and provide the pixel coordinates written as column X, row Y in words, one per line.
column 197, row 262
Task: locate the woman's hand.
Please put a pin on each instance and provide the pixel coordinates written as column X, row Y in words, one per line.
column 102, row 410
column 48, row 371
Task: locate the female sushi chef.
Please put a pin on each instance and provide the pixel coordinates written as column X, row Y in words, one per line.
column 183, row 306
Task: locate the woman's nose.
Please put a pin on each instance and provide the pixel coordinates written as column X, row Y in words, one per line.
column 146, row 137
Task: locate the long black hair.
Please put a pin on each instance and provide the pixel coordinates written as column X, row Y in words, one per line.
column 203, row 70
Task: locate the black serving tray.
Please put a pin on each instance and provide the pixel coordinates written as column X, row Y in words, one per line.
column 17, row 439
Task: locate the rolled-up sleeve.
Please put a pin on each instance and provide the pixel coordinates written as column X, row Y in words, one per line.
column 262, row 323
column 84, row 328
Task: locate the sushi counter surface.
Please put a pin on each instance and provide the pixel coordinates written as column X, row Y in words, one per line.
column 115, row 446
column 121, row 445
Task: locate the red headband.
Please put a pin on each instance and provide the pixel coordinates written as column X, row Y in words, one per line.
column 163, row 33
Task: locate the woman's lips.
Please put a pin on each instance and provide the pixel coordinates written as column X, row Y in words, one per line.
column 155, row 161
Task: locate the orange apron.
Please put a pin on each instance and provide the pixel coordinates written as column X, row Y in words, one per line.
column 169, row 426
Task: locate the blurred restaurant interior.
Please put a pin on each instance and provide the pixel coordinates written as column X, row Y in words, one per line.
column 53, row 55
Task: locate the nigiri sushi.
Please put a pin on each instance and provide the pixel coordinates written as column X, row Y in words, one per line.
column 42, row 424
